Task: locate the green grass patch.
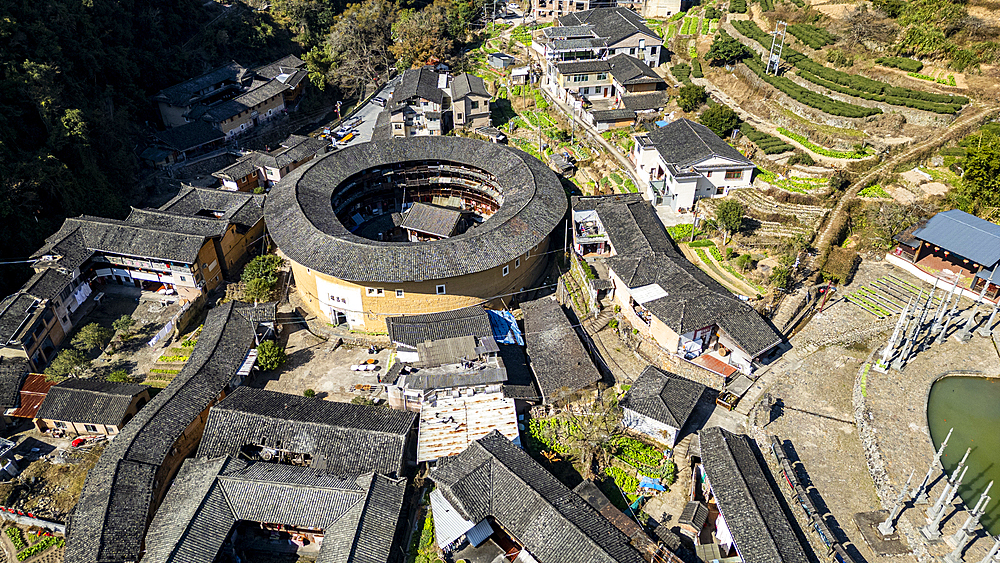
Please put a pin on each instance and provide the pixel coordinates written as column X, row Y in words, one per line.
column 874, row 190
column 818, row 149
column 701, row 243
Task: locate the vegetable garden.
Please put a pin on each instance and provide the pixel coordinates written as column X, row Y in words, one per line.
column 767, row 143
column 818, row 149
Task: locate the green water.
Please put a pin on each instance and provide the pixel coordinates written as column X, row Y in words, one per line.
column 972, row 406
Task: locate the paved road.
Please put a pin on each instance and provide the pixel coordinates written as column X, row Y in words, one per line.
column 368, row 112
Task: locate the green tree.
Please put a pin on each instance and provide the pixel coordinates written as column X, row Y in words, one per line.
column 270, row 355
column 310, row 393
column 92, row 336
column 124, row 324
column 358, row 44
column 119, row 376
column 726, row 49
column 262, row 267
column 258, row 289
column 720, row 119
column 69, row 362
column 729, row 214
column 692, row 97
column 981, row 181
column 744, row 262
column 781, row 277
column 421, row 36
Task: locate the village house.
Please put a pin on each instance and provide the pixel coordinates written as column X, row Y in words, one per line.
column 630, row 75
column 952, row 245
column 220, row 507
column 34, row 387
column 13, row 371
column 684, row 161
column 588, row 78
column 659, row 404
column 29, row 327
column 217, row 84
column 662, row 295
column 242, row 175
column 339, row 438
column 744, row 510
column 600, row 33
column 134, row 473
column 494, row 490
column 182, row 142
column 427, row 102
column 264, row 169
column 90, row 406
column 562, row 366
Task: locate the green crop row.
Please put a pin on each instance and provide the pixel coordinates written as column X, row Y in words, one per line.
column 950, row 81
column 40, row 547
column 638, row 452
column 902, row 63
column 767, row 143
column 706, row 24
column 14, row 534
column 874, row 190
column 682, row 72
column 767, row 5
column 626, row 482
column 818, row 149
column 676, row 16
column 738, row 6
column 852, row 84
column 671, row 31
column 696, row 69
column 810, row 98
column 690, row 26
column 815, row 37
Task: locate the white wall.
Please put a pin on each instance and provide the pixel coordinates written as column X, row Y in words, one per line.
column 655, row 429
column 349, row 302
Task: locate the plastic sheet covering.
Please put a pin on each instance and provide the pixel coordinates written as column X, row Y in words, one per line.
column 505, row 329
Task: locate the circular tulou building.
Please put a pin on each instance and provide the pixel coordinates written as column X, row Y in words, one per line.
column 414, row 225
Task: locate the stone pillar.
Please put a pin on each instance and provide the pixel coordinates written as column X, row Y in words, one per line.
column 986, row 330
column 961, row 538
column 920, row 496
column 994, row 551
column 965, row 333
column 888, row 527
column 935, row 514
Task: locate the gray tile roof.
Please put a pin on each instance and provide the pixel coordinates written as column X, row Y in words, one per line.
column 14, row 310
column 495, row 478
column 629, row 70
column 418, row 83
column 578, row 44
column 243, row 167
column 520, row 382
column 431, row 219
column 555, row 353
column 358, row 514
column 302, row 222
column 240, row 208
column 746, row 498
column 119, row 237
column 646, row 100
column 963, row 234
column 577, row 67
column 613, row 115
column 47, row 283
column 189, row 136
column 341, row 438
column 257, row 94
column 644, row 255
column 186, row 92
column 284, row 65
column 685, row 143
column 415, row 329
column 110, row 519
column 12, row 373
column 614, row 24
column 89, row 401
column 663, row 396
column 465, row 84
column 565, row 31
column 295, row 149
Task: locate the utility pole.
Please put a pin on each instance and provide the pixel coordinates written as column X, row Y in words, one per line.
column 947, row 318
column 921, row 493
column 882, row 365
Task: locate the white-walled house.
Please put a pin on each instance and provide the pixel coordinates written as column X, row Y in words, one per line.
column 682, row 162
column 659, row 404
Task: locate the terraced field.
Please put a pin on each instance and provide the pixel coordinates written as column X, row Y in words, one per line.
column 755, row 200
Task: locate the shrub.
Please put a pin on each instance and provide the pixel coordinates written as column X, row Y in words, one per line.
column 258, row 289
column 270, row 355
column 118, row 376
column 682, row 72
column 123, row 324
column 902, row 63
column 781, row 277
column 16, row 538
column 40, row 547
column 801, row 158
column 744, row 262
column 691, row 97
column 810, row 98
column 720, row 119
column 696, row 69
column 738, row 6
column 262, row 267
column 874, row 190
column 189, row 343
column 310, row 393
column 815, row 37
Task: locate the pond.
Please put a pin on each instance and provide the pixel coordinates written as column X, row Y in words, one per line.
column 970, row 405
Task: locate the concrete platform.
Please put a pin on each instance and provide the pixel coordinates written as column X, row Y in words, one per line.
column 891, row 545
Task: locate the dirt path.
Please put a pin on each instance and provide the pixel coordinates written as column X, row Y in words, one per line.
column 718, row 273
column 958, row 128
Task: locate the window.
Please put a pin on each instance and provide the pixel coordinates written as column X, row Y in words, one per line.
column 517, row 262
column 460, row 117
column 398, row 125
column 90, row 428
column 60, row 424
column 400, row 294
column 581, row 77
column 183, row 279
column 734, row 174
column 440, row 289
column 602, row 76
column 506, row 270
column 631, row 51
column 708, row 174
column 475, row 105
column 374, row 291
column 652, row 50
column 585, row 91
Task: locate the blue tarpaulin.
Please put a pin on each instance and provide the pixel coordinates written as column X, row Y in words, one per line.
column 650, row 483
column 505, row 329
